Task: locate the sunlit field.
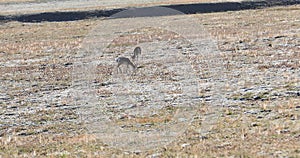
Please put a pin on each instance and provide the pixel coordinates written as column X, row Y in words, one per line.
column 260, row 47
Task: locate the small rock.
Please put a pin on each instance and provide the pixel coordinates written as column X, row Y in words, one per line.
column 156, row 155
column 179, row 47
column 280, row 36
column 259, row 117
column 252, row 111
column 284, row 131
column 203, row 137
column 137, row 152
column 4, row 97
column 68, row 64
column 254, row 124
column 9, row 114
column 185, row 145
column 12, row 107
column 265, row 110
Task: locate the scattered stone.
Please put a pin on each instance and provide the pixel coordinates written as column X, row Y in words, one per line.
column 68, row 64
column 259, row 117
column 254, row 124
column 185, row 145
column 4, row 97
column 179, row 47
column 156, row 155
column 9, row 114
column 137, row 152
column 266, row 110
column 284, row 131
column 281, row 36
column 203, row 137
column 252, row 111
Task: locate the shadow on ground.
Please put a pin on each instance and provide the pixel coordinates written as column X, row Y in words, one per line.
column 184, row 8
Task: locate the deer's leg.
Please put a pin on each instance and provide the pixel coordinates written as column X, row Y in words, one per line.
column 118, row 68
column 127, row 68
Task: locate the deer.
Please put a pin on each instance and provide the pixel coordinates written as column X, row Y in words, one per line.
column 124, row 61
column 136, row 52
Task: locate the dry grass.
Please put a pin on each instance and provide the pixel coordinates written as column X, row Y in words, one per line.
column 252, row 128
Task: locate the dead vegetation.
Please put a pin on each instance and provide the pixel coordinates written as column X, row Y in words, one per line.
column 38, row 120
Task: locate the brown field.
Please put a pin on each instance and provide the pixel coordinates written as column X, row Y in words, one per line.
column 36, row 64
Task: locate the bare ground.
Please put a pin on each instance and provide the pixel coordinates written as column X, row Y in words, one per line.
column 258, row 48
column 10, row 7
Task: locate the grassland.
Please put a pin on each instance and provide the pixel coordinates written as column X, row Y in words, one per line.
column 37, row 120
